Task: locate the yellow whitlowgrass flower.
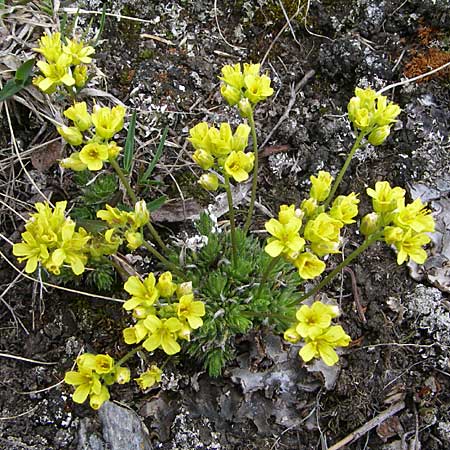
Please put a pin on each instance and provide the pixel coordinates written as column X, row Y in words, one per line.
column 72, row 135
column 80, row 75
column 231, row 95
column 199, row 137
column 142, row 292
column 384, row 198
column 134, row 239
column 97, row 400
column 323, row 345
column 50, row 46
column 321, row 185
column 103, row 364
column 108, row 121
column 415, row 216
column 379, row 135
column 285, row 238
column 165, row 285
column 209, row 181
column 238, row 165
column 73, row 162
column 239, row 141
column 79, row 115
column 149, row 378
column 323, row 228
column 163, row 334
column 313, row 320
column 232, row 75
column 221, row 140
column 287, row 213
column 309, row 265
column 204, row 159
column 122, row 375
column 345, row 208
column 56, row 73
column 94, row 155
column 113, row 216
column 86, row 383
column 407, row 243
column 257, row 87
column 30, row 250
column 78, row 51
column 191, row 310
column 309, row 206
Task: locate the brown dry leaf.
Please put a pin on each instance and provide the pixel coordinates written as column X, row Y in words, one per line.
column 43, row 158
column 390, row 428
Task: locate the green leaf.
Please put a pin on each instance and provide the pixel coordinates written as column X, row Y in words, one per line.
column 155, row 159
column 92, row 226
column 129, row 144
column 157, row 203
column 24, row 71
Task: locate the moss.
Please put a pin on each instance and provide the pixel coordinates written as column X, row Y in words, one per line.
column 146, row 54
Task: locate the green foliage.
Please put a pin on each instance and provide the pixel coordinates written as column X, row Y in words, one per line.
column 232, row 295
column 95, row 194
column 102, row 276
column 21, row 80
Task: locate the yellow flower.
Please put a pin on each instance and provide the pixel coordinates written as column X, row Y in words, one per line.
column 321, row 186
column 257, row 87
column 94, row 155
column 86, row 382
column 71, row 135
column 233, row 76
column 204, row 159
column 415, row 216
column 79, row 116
column 239, row 141
column 78, row 52
column 286, row 239
column 162, row 333
column 80, row 75
column 30, row 250
column 221, row 140
column 323, row 345
column 309, row 206
column 97, row 400
column 309, row 265
column 287, row 213
column 191, row 310
column 50, row 46
column 209, row 181
column 231, row 95
column 134, row 335
column 238, row 165
column 323, row 233
column 143, row 293
column 165, row 285
column 149, row 378
column 409, row 245
column 56, row 73
column 134, row 239
column 103, row 364
column 384, row 198
column 108, row 121
column 312, row 321
column 113, row 216
column 199, row 137
column 344, row 208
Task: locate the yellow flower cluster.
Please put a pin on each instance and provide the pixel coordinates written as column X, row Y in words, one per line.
column 371, row 113
column 304, row 243
column 221, row 149
column 51, row 239
column 161, row 319
column 321, row 337
column 125, row 224
column 98, row 149
column 246, row 87
column 404, row 225
column 65, row 64
column 94, row 374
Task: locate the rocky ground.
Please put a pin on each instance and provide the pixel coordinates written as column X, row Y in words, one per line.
column 165, row 66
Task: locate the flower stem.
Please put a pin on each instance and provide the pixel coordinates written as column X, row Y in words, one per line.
column 255, row 173
column 126, row 357
column 173, row 267
column 368, row 242
column 338, row 180
column 231, row 209
column 266, row 274
column 132, row 195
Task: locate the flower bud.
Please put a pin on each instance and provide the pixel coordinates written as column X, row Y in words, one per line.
column 141, row 215
column 71, row 135
column 184, row 289
column 113, row 150
column 73, row 162
column 204, row 159
column 369, row 224
column 209, row 181
column 291, row 335
column 379, row 135
column 122, row 375
column 245, row 107
column 231, row 94
column 165, row 285
column 80, row 75
column 309, row 206
column 134, row 239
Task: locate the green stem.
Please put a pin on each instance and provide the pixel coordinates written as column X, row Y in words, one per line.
column 173, row 267
column 132, row 195
column 255, row 173
column 231, row 209
column 266, row 274
column 338, row 180
column 126, row 357
column 369, row 241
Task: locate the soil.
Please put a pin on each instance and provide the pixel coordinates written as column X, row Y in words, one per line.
column 399, row 352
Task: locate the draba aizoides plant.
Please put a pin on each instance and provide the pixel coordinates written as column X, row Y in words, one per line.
column 233, row 282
